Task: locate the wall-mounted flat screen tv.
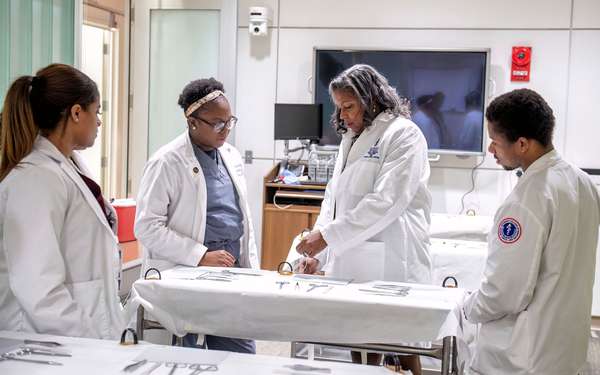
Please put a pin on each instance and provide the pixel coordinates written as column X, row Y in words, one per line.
column 446, row 89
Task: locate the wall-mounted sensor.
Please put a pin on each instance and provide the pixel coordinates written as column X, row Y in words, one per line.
column 258, row 21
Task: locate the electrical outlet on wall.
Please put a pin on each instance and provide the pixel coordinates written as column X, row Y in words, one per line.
column 248, row 156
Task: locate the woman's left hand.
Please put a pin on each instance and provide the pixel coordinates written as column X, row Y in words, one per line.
column 312, row 244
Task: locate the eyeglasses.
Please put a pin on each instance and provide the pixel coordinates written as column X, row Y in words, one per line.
column 218, row 127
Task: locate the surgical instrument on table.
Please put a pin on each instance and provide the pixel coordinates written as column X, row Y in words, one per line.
column 315, row 286
column 242, row 273
column 392, row 287
column 323, row 279
column 174, row 366
column 30, row 350
column 43, row 343
column 202, row 367
column 134, row 366
column 389, row 293
column 13, row 357
column 213, row 276
column 153, row 367
column 299, row 367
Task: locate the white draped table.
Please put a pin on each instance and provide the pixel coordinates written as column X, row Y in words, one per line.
column 269, row 306
column 90, row 356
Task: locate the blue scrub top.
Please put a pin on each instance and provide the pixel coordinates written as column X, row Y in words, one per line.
column 224, row 219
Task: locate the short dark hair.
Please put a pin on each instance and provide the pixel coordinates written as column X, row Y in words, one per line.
column 522, row 113
column 198, row 89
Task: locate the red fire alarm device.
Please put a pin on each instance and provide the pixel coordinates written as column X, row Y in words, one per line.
column 521, row 64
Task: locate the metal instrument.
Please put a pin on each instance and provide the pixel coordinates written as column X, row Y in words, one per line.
column 13, row 357
column 315, row 286
column 42, row 343
column 134, row 366
column 30, row 350
column 202, row 367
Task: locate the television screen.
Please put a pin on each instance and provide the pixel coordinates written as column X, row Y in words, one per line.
column 446, row 90
column 298, row 121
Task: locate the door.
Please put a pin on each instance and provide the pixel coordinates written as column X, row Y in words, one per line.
column 174, row 42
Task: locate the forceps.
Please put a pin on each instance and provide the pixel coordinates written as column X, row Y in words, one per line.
column 202, row 367
column 174, row 366
column 12, row 357
column 28, row 350
column 315, row 286
column 43, row 343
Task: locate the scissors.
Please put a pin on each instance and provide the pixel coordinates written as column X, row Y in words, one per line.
column 202, row 367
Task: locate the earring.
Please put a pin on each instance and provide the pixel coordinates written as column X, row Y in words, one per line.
column 193, row 127
column 374, row 108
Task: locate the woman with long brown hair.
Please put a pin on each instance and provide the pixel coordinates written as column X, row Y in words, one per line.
column 58, row 252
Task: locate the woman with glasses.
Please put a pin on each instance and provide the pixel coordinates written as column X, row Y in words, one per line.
column 192, row 207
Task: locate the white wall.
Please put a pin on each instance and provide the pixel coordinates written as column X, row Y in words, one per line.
column 276, row 68
column 564, row 35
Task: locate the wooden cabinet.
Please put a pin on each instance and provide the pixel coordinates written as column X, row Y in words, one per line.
column 287, row 211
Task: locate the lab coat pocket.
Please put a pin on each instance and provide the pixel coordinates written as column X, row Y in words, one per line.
column 362, row 263
column 90, row 297
column 504, row 344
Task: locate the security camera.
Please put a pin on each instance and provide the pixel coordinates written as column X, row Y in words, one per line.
column 258, row 21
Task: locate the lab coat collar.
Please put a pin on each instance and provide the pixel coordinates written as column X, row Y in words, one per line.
column 49, row 149
column 543, row 162
column 367, row 138
column 43, row 145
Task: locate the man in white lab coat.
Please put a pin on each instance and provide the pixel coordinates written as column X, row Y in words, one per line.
column 533, row 305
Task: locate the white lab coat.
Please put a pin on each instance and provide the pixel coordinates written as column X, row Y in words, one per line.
column 381, row 203
column 171, row 207
column 59, row 258
column 534, row 302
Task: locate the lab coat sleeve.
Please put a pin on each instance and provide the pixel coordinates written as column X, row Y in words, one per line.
column 512, row 268
column 252, row 249
column 398, row 181
column 324, row 215
column 35, row 215
column 158, row 186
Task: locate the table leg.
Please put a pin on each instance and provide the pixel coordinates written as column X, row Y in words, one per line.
column 454, row 356
column 140, row 322
column 446, row 355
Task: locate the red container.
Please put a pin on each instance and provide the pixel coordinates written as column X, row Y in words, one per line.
column 126, row 215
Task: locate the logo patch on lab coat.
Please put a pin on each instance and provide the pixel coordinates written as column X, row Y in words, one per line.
column 373, row 153
column 509, row 230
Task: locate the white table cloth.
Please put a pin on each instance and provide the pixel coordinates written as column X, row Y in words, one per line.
column 91, row 356
column 464, row 260
column 254, row 307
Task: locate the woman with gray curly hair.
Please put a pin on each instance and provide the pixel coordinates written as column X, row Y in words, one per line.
column 374, row 220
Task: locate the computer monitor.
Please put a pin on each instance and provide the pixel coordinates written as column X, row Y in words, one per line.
column 446, row 88
column 298, row 121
